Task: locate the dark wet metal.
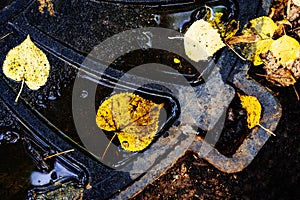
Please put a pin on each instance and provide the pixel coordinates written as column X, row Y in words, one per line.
column 9, row 137
column 67, row 39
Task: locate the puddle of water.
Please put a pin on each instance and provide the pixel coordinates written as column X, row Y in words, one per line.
column 182, row 17
column 97, row 141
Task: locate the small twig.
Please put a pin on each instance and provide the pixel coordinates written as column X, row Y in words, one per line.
column 57, row 154
column 296, row 29
column 297, row 94
column 1, row 38
column 106, row 149
column 241, row 57
column 19, row 94
column 267, row 130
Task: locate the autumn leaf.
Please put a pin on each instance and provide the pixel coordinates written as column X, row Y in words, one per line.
column 27, row 63
column 202, row 41
column 226, row 30
column 253, row 51
column 282, row 76
column 253, row 108
column 278, row 74
column 285, row 49
column 263, row 26
column 133, row 119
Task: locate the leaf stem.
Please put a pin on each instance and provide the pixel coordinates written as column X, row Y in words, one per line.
column 1, row 38
column 241, row 57
column 106, row 149
column 298, row 98
column 19, row 94
column 57, row 154
column 267, row 130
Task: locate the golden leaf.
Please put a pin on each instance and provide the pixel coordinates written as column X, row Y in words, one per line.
column 176, row 60
column 202, row 41
column 252, row 51
column 133, row 118
column 253, row 108
column 285, row 49
column 226, row 30
column 264, row 26
column 27, row 63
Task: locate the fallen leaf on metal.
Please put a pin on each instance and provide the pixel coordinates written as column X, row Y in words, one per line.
column 133, row 119
column 202, row 40
column 27, row 63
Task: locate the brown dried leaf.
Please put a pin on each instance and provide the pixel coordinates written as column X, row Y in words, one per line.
column 276, row 73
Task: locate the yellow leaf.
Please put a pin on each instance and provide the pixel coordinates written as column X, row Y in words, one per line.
column 226, row 30
column 133, row 118
column 264, row 26
column 176, row 61
column 284, row 22
column 202, row 41
column 252, row 51
column 253, row 108
column 27, row 63
column 285, row 49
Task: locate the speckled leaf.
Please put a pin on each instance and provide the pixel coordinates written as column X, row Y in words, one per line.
column 133, row 118
column 264, row 26
column 202, row 41
column 226, row 30
column 27, row 63
column 252, row 51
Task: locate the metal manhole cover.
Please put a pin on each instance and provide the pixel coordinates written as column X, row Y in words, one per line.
column 60, row 116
